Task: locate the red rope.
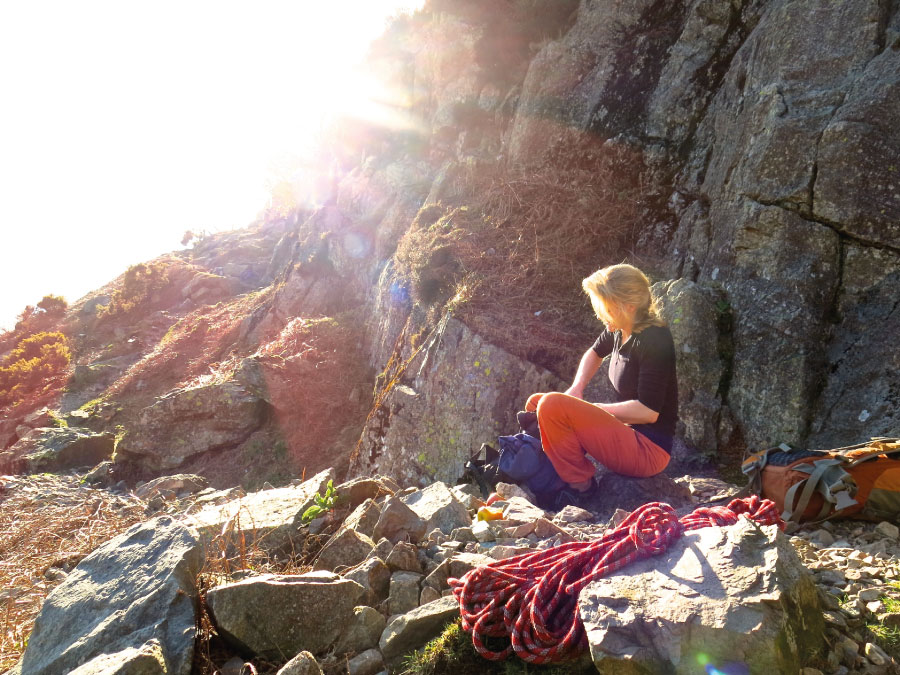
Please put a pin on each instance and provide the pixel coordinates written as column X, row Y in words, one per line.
column 532, row 599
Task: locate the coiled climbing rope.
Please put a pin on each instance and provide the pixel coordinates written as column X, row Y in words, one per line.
column 532, row 599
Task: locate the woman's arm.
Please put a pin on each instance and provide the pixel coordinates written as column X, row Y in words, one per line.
column 590, row 362
column 630, row 412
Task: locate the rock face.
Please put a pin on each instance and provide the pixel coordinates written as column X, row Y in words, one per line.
column 692, row 312
column 188, row 422
column 280, row 616
column 737, row 595
column 460, row 393
column 134, row 595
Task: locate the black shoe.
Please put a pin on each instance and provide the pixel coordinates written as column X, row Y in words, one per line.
column 569, row 496
column 528, row 423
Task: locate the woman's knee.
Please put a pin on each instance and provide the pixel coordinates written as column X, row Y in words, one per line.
column 532, row 403
column 551, row 405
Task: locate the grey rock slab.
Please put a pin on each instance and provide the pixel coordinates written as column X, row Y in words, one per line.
column 136, row 588
column 412, row 630
column 279, row 616
column 438, row 507
column 302, row 664
column 55, row 449
column 736, row 594
column 345, row 549
column 363, row 631
column 267, row 516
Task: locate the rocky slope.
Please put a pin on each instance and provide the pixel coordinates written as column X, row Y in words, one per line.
column 752, row 148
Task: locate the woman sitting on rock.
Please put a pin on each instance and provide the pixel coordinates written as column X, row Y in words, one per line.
column 633, row 435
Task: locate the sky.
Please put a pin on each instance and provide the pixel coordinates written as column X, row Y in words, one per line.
column 123, row 124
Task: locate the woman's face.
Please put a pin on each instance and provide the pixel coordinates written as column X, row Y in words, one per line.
column 615, row 317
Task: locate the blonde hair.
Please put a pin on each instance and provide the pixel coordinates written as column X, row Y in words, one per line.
column 623, row 285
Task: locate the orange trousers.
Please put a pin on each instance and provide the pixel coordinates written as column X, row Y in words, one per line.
column 571, row 427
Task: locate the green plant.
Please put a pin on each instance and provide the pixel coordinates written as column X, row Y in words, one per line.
column 324, row 503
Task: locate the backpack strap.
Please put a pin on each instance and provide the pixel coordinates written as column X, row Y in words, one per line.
column 829, row 479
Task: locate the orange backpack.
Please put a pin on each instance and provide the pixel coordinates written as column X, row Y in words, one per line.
column 862, row 481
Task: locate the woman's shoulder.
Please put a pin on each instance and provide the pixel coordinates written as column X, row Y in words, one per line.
column 656, row 336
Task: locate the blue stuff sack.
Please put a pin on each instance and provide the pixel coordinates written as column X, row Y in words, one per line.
column 522, row 461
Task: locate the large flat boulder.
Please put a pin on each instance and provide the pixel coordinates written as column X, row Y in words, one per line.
column 191, row 421
column 136, row 590
column 731, row 595
column 277, row 616
column 438, row 507
column 57, row 449
column 269, row 517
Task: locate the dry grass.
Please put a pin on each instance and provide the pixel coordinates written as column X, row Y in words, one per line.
column 48, row 522
column 509, row 249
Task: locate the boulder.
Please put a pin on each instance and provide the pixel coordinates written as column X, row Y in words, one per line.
column 137, row 589
column 404, row 558
column 739, row 595
column 354, row 492
column 345, row 549
column 56, row 449
column 207, row 288
column 363, row 631
column 404, row 592
column 519, row 511
column 302, row 664
column 191, row 421
column 375, row 578
column 267, row 517
column 398, row 522
column 146, row 660
column 625, row 492
column 369, row 662
column 410, row 631
column 438, row 507
column 277, row 616
column 363, row 518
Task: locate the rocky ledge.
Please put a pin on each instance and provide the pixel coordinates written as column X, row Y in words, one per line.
column 366, row 583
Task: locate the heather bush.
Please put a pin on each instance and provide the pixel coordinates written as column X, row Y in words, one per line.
column 35, row 362
column 142, row 286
